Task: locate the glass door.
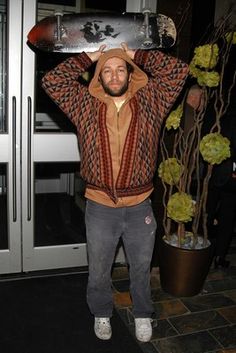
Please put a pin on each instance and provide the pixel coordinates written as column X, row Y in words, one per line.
column 53, row 204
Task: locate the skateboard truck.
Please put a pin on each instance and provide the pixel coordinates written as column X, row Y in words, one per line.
column 147, row 40
column 60, row 30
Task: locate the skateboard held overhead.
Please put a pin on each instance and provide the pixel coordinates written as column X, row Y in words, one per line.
column 74, row 33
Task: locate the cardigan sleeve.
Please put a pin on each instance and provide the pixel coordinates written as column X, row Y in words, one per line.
column 63, row 87
column 167, row 76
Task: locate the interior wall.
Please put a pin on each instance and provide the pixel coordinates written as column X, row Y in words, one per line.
column 181, row 13
column 222, row 7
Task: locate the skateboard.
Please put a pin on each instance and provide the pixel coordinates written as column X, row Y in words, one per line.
column 74, row 33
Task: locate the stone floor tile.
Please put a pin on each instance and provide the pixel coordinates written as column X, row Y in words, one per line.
column 199, row 342
column 169, row 308
column 126, row 315
column 198, row 321
column 119, row 273
column 229, row 313
column 226, row 336
column 220, row 286
column 122, row 299
column 231, row 294
column 230, row 350
column 159, row 295
column 163, row 329
column 207, row 302
column 121, row 285
column 148, row 347
column 204, row 323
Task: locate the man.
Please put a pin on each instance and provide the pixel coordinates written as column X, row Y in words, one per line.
column 118, row 119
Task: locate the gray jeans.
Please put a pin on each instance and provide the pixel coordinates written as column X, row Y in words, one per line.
column 105, row 225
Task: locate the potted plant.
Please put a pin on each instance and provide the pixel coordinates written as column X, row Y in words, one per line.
column 186, row 166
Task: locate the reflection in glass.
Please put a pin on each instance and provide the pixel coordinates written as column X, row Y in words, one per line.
column 3, row 207
column 59, row 205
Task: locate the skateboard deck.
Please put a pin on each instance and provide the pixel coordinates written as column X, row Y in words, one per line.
column 74, row 33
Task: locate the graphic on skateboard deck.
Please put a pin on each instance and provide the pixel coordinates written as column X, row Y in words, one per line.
column 74, row 33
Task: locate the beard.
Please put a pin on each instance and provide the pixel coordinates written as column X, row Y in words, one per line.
column 115, row 92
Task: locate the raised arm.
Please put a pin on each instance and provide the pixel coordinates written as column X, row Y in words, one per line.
column 62, row 85
column 167, row 75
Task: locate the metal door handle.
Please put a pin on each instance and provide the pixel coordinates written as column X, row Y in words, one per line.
column 29, row 172
column 14, row 199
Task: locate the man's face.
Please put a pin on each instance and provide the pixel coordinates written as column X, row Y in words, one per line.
column 114, row 77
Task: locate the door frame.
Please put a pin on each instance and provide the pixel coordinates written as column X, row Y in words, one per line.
column 10, row 143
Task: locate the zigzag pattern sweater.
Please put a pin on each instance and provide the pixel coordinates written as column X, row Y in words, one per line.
column 149, row 105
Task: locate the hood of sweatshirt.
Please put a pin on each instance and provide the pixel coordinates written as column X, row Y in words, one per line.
column 138, row 79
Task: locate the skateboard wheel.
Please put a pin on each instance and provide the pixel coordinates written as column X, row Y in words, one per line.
column 58, row 44
column 148, row 11
column 58, row 13
column 147, row 42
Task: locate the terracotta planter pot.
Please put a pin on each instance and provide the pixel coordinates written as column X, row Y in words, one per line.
column 183, row 272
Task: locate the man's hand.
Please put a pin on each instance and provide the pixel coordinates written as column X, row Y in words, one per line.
column 95, row 55
column 129, row 52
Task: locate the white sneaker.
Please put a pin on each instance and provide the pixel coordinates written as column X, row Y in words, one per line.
column 143, row 329
column 102, row 328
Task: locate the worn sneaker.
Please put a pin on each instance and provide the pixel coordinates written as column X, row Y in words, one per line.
column 143, row 329
column 102, row 328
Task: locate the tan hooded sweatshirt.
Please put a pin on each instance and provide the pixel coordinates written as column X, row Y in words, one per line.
column 118, row 122
column 118, row 147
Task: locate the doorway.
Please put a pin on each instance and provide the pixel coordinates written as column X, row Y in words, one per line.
column 41, row 193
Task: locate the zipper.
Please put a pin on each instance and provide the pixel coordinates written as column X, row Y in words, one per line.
column 118, row 135
column 118, row 147
column 118, row 138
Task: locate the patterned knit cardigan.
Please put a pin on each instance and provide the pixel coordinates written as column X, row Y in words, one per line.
column 149, row 106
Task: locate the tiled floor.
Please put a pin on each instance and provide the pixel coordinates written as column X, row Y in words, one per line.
column 200, row 324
